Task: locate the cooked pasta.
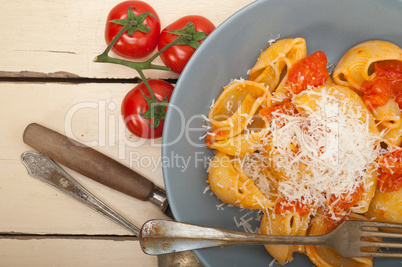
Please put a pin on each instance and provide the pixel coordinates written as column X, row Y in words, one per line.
column 389, row 115
column 326, row 149
column 354, row 67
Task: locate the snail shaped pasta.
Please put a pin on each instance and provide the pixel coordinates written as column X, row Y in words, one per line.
column 272, row 62
column 270, row 145
column 386, row 207
column 326, row 256
column 356, row 67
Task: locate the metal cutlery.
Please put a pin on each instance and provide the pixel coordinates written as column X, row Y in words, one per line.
column 350, row 238
column 43, row 168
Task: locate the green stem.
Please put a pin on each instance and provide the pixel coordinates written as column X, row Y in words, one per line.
column 134, row 65
column 172, row 43
column 139, row 66
column 114, row 40
column 145, row 80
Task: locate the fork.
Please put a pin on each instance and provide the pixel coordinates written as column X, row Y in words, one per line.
column 348, row 239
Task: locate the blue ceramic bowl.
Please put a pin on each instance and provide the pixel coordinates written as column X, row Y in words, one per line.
column 228, row 53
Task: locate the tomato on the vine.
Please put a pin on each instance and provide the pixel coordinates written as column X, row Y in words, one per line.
column 142, row 35
column 177, row 56
column 143, row 115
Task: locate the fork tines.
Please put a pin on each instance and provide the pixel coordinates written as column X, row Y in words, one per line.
column 369, row 232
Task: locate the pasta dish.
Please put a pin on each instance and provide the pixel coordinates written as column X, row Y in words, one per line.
column 311, row 147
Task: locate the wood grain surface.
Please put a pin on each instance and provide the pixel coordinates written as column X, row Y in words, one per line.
column 47, row 76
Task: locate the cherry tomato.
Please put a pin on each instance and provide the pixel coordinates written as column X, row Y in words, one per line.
column 390, row 172
column 389, row 68
column 140, row 44
column 386, row 83
column 309, row 71
column 177, row 56
column 376, row 91
column 134, row 104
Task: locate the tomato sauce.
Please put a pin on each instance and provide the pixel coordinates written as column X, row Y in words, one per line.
column 387, row 83
column 216, row 135
column 309, row 71
column 339, row 204
column 377, row 92
column 331, row 224
column 271, row 113
column 283, row 206
column 390, row 172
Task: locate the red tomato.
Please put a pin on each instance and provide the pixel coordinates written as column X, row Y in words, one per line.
column 376, row 92
column 386, row 83
column 309, row 71
column 390, row 173
column 177, row 56
column 392, row 70
column 134, row 104
column 389, row 68
column 140, row 44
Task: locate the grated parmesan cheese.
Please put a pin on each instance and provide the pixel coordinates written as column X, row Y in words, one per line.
column 273, row 40
column 326, row 153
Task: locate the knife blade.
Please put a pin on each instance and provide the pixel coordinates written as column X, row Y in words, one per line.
column 95, row 165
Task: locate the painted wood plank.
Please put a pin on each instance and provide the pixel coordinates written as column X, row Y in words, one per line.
column 66, row 253
column 81, row 109
column 92, row 112
column 48, row 36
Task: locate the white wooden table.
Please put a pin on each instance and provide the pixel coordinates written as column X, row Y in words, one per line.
column 47, row 76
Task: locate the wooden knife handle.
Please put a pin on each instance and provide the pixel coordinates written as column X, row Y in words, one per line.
column 87, row 161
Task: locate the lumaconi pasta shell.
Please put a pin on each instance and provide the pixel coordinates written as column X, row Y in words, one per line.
column 235, row 108
column 389, row 115
column 393, row 136
column 353, row 68
column 286, row 224
column 370, row 185
column 326, row 256
column 386, row 207
column 240, row 145
column 269, row 66
column 232, row 186
column 235, row 142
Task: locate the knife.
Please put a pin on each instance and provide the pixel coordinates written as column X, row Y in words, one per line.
column 95, row 165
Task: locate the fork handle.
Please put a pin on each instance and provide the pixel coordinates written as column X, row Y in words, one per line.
column 48, row 171
column 159, row 237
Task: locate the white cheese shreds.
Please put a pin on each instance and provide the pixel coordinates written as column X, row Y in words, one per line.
column 273, row 40
column 229, row 105
column 207, row 189
column 244, row 222
column 212, row 103
column 318, row 155
column 220, row 206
